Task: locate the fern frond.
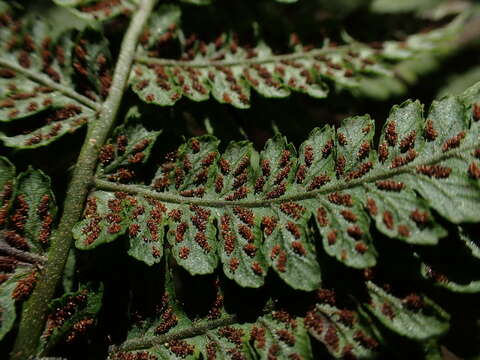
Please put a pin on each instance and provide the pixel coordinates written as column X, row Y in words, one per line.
column 99, row 10
column 59, row 79
column 347, row 329
column 228, row 71
column 71, row 316
column 260, row 204
column 209, row 2
column 103, row 10
column 26, row 218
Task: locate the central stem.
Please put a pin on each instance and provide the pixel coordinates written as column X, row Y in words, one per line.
column 35, row 309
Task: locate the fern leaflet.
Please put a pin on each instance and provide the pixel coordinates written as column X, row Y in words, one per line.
column 259, row 206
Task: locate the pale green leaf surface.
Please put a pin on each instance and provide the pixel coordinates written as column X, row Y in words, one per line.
column 427, row 322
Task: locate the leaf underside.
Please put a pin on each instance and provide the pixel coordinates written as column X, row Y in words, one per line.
column 229, row 72
column 350, row 332
column 253, row 211
column 55, row 80
column 27, row 212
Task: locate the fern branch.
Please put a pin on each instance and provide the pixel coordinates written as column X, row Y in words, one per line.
column 276, row 59
column 19, row 254
column 304, row 195
column 260, row 204
column 195, row 330
column 42, row 79
column 34, row 311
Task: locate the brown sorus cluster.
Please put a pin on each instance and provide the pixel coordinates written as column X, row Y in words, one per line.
column 474, row 170
column 211, row 348
column 268, row 224
column 293, row 209
column 246, row 233
column 180, row 232
column 388, row 311
column 342, row 139
column 347, row 317
column 259, row 183
column 169, row 320
column 314, row 322
column 250, row 250
column 391, row 133
column 246, row 215
column 361, row 171
column 322, row 216
column 308, row 155
column 5, row 196
column 439, row 277
column 327, row 149
column 436, row 171
column 390, row 185
column 404, row 230
column 301, row 173
column 281, row 263
column 265, row 167
column 365, row 340
column 20, row 214
column 231, row 334
column 383, row 152
column 332, row 237
column 46, row 219
column 257, row 268
column 234, row 262
column 138, row 355
column 355, row 231
column 25, row 286
column 408, row 142
column 105, row 6
column 420, row 217
column 294, row 229
column 372, row 206
column 318, row 181
column 388, row 219
column 453, row 142
column 16, row 240
column 403, row 160
column 331, row 337
column 216, row 310
column 258, row 336
column 79, row 328
column 413, row 302
column 277, row 191
column 224, row 166
column 327, row 296
column 238, row 194
column 430, row 132
column 183, row 252
column 286, row 336
column 181, row 348
column 284, row 317
column 364, row 150
column 361, row 247
column 340, row 165
column 227, row 234
column 219, row 183
column 298, row 248
column 348, row 215
column 341, row 199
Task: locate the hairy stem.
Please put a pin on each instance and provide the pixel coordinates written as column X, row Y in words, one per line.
column 35, row 309
column 195, row 330
column 374, row 175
